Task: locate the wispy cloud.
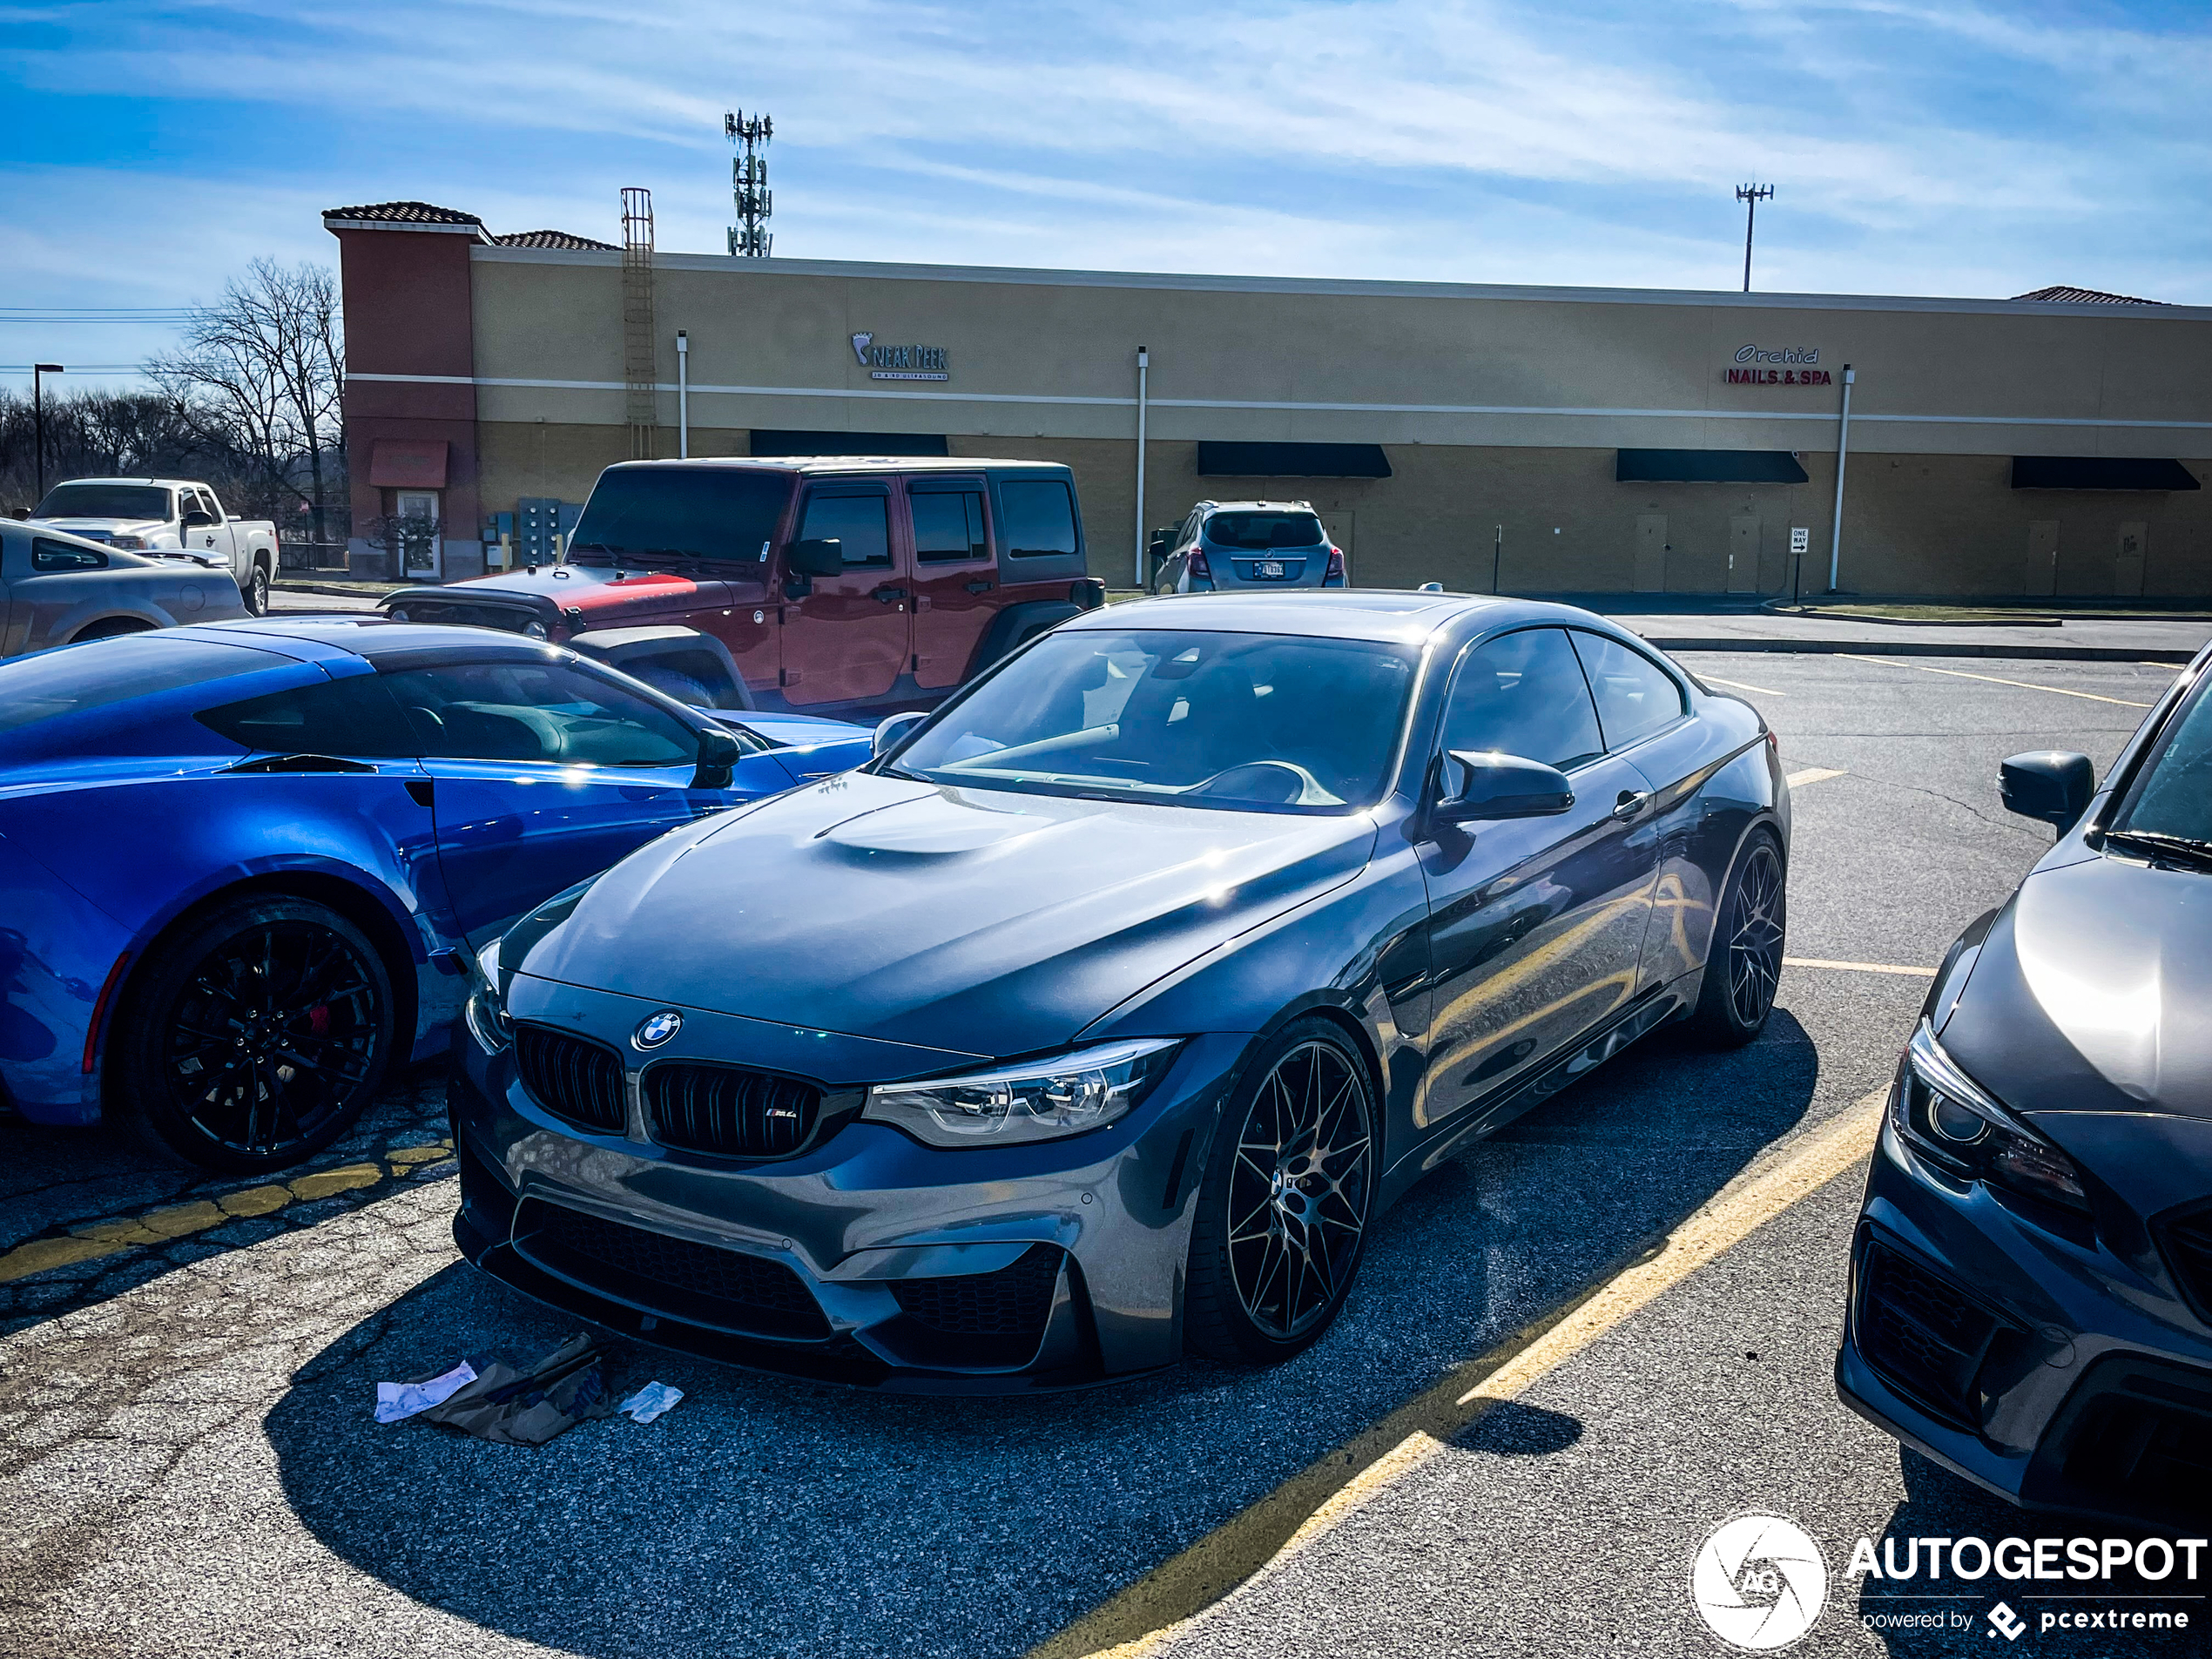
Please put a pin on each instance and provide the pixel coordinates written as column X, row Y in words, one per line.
column 1937, row 147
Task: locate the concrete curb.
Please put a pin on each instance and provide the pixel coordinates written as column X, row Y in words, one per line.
column 1928, row 648
column 338, row 589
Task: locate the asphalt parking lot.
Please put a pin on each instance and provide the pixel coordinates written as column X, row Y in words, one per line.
column 188, row 1462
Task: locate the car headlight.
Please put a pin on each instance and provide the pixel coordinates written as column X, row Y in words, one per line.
column 1028, row 1099
column 128, row 543
column 397, row 613
column 1958, row 1126
column 534, row 629
column 485, row 1012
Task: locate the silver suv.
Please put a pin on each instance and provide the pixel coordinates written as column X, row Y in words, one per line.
column 1234, row 546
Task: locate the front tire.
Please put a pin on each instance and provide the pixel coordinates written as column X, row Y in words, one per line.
column 255, row 593
column 1282, row 1209
column 1744, row 963
column 253, row 1038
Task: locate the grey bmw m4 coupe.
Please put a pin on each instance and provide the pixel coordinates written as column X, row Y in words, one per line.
column 1099, row 1017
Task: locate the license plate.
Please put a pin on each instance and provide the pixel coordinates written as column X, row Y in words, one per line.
column 1269, row 567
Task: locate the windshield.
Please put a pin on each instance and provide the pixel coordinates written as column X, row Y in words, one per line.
column 104, row 501
column 1252, row 722
column 690, row 512
column 2175, row 797
column 1257, row 532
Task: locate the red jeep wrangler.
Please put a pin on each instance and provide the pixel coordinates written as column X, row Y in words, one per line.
column 832, row 585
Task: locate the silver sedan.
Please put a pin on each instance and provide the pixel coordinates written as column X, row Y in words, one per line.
column 57, row 589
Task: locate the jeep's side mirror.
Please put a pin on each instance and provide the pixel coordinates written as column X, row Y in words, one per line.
column 719, row 753
column 1494, row 785
column 818, row 557
column 894, row 729
column 2047, row 784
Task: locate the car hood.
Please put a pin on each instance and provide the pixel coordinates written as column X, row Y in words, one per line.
column 2090, row 993
column 560, row 587
column 983, row 920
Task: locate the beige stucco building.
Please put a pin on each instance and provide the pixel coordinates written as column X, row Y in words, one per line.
column 1554, row 440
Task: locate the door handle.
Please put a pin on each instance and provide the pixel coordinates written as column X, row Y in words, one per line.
column 1631, row 802
column 978, row 587
column 885, row 596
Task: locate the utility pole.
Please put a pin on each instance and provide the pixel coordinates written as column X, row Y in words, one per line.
column 749, row 237
column 1843, row 453
column 1750, row 196
column 38, row 372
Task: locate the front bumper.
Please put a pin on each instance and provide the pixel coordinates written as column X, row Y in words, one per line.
column 866, row 1257
column 2059, row 1373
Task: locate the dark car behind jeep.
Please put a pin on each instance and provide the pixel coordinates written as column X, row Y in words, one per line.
column 834, row 584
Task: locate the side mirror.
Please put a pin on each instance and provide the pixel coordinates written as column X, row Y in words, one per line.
column 195, row 518
column 2047, row 784
column 1500, row 786
column 894, row 729
column 719, row 753
column 820, row 557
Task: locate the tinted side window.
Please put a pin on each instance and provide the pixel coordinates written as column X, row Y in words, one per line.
column 1524, row 695
column 861, row 522
column 47, row 556
column 525, row 711
column 356, row 715
column 1635, row 697
column 1040, row 517
column 948, row 524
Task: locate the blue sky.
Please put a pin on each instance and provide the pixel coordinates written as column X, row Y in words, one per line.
column 1927, row 147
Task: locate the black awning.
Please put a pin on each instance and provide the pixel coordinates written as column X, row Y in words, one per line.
column 1219, row 459
column 766, row 443
column 2100, row 472
column 1707, row 467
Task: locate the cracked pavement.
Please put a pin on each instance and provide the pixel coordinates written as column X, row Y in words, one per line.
column 188, row 1464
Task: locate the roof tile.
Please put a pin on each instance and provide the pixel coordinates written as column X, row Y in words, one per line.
column 405, row 213
column 2065, row 296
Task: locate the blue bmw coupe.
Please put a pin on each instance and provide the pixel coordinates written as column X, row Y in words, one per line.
column 243, row 867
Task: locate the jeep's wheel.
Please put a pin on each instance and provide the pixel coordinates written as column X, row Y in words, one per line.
column 254, row 1038
column 1282, row 1209
column 684, row 688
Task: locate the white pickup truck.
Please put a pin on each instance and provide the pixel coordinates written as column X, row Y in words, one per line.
column 147, row 515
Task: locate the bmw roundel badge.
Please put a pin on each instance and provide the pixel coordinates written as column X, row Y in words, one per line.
column 657, row 1028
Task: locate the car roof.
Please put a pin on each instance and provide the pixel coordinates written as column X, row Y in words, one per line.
column 1329, row 613
column 174, row 483
column 848, row 463
column 319, row 638
column 1210, row 508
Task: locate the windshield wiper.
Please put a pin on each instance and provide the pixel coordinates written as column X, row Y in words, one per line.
column 2162, row 848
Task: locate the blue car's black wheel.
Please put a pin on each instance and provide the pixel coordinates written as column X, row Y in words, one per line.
column 253, row 1038
column 1744, row 965
column 1283, row 1211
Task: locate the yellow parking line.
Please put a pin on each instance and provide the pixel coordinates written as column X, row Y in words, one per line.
column 2025, row 686
column 1764, row 691
column 1165, row 1603
column 1813, row 775
column 113, row 1237
column 1858, row 968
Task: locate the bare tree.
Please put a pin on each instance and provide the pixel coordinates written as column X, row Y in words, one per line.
column 261, row 372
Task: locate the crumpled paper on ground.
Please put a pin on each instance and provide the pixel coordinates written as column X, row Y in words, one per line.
column 396, row 1402
column 654, row 1399
column 512, row 1407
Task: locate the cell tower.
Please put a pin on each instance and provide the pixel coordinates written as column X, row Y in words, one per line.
column 638, row 369
column 749, row 183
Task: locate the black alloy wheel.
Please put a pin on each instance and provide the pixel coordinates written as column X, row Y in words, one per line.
column 254, row 1038
column 1283, row 1213
column 1743, row 966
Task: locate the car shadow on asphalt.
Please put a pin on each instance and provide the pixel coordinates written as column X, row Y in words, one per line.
column 126, row 1218
column 769, row 1516
column 1940, row 1505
